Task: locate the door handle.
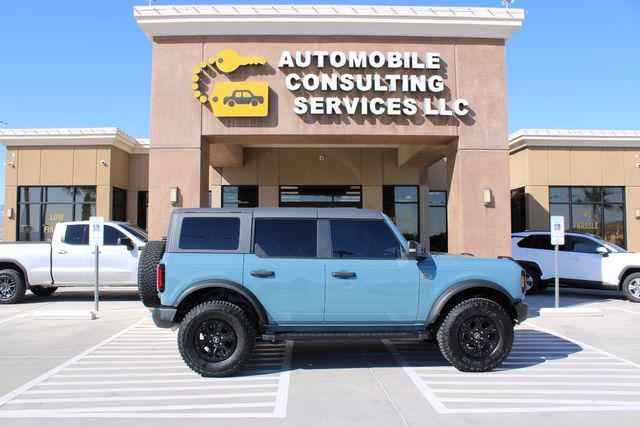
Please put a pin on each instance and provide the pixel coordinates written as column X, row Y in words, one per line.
column 344, row 274
column 263, row 273
column 62, row 251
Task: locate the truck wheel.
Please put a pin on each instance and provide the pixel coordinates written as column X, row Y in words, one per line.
column 12, row 287
column 149, row 259
column 631, row 287
column 42, row 291
column 476, row 335
column 216, row 339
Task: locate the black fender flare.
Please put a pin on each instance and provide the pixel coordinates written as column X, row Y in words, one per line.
column 230, row 285
column 454, row 290
column 623, row 273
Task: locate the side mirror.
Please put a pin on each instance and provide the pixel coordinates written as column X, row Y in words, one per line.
column 126, row 241
column 602, row 251
column 414, row 250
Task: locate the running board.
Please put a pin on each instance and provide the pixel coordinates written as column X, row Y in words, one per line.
column 281, row 336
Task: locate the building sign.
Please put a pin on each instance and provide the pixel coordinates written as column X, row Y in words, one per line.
column 368, row 83
column 334, row 83
column 232, row 99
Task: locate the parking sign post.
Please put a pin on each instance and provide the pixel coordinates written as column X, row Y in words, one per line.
column 557, row 239
column 96, row 239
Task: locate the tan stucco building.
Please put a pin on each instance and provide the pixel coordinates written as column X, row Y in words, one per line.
column 399, row 109
column 590, row 177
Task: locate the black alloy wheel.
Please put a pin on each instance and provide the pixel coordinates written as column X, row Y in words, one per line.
column 12, row 286
column 478, row 336
column 215, row 340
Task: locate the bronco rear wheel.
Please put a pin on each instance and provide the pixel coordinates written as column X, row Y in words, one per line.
column 216, row 339
column 476, row 335
column 149, row 259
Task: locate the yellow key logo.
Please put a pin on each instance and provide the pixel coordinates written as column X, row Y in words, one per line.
column 240, row 99
column 231, row 99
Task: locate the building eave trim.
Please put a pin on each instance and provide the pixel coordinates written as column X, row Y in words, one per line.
column 62, row 137
column 327, row 20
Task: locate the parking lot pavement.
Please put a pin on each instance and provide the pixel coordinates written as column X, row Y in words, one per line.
column 138, row 373
column 121, row 370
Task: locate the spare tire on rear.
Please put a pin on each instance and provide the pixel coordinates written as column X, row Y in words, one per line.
column 149, row 259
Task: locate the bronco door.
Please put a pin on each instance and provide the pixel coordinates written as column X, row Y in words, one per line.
column 283, row 271
column 368, row 280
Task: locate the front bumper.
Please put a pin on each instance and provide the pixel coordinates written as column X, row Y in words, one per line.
column 164, row 317
column 522, row 312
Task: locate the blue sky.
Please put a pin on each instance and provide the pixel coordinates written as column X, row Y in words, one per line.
column 573, row 64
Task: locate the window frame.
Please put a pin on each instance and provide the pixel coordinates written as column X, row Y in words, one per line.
column 42, row 202
column 601, row 205
column 244, row 238
column 318, row 237
column 446, row 216
column 394, row 202
column 402, row 254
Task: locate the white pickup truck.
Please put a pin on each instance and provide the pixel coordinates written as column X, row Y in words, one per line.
column 69, row 260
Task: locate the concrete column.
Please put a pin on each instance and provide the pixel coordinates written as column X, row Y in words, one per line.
column 178, row 156
column 483, row 230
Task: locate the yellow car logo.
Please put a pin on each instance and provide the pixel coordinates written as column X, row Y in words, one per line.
column 232, row 99
column 240, row 99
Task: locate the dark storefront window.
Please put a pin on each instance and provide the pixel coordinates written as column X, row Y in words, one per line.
column 239, row 196
column 518, row 210
column 143, row 205
column 321, row 196
column 41, row 208
column 437, row 219
column 119, row 204
column 594, row 210
column 400, row 203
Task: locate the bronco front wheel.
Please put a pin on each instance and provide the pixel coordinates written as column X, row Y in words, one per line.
column 476, row 335
column 216, row 339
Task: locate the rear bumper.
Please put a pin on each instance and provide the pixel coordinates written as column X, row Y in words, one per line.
column 164, row 317
column 522, row 312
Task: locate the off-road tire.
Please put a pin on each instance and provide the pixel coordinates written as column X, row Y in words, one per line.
column 149, row 259
column 42, row 291
column 19, row 287
column 449, row 335
column 233, row 316
column 625, row 287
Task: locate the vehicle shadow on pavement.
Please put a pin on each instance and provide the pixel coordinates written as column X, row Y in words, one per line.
column 84, row 294
column 530, row 348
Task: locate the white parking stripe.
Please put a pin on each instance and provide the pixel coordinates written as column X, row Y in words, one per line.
column 89, row 384
column 552, row 373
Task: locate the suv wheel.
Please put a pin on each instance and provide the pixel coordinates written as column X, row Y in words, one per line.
column 216, row 339
column 149, row 259
column 12, row 287
column 476, row 335
column 42, row 291
column 631, row 287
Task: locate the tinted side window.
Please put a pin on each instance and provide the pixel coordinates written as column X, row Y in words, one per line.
column 295, row 238
column 582, row 245
column 363, row 239
column 77, row 234
column 528, row 242
column 111, row 235
column 209, row 233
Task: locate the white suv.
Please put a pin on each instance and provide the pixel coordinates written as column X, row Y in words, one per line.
column 584, row 261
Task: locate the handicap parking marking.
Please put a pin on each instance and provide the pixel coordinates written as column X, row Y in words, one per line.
column 545, row 372
column 138, row 373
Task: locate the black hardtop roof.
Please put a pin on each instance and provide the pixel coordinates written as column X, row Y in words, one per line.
column 346, row 213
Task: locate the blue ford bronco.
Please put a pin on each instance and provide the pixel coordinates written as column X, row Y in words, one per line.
column 229, row 276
